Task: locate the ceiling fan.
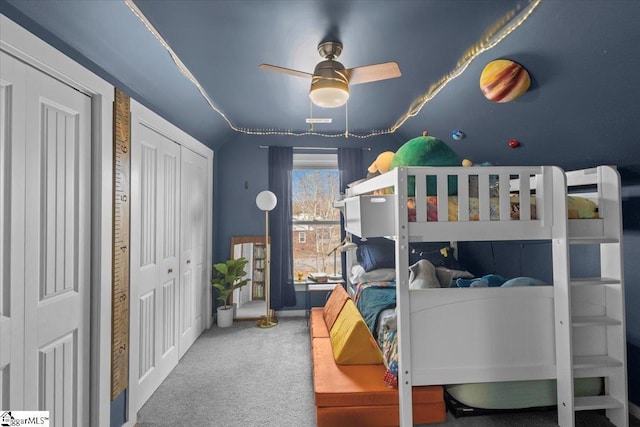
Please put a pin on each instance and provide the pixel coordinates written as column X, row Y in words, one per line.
column 330, row 81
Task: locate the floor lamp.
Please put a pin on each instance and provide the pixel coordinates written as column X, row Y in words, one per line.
column 266, row 201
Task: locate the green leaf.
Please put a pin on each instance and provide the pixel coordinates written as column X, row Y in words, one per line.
column 227, row 277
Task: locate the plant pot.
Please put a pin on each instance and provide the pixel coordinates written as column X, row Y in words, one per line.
column 225, row 316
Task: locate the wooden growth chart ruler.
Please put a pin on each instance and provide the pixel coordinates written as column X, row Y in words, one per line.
column 120, row 239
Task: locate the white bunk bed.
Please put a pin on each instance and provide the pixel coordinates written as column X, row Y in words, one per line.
column 574, row 328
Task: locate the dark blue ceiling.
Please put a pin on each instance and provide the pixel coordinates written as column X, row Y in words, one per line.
column 224, row 42
column 582, row 108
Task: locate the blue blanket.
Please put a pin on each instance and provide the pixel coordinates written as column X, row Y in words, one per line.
column 372, row 300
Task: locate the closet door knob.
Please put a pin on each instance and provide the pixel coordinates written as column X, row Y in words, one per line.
column 188, row 261
column 170, row 270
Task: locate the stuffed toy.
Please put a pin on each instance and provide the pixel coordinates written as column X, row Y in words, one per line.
column 427, row 151
column 381, row 165
column 523, row 281
column 494, row 280
column 488, row 281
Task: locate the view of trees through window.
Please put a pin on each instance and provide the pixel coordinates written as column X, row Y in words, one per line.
column 316, row 223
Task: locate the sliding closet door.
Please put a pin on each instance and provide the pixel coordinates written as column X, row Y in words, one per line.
column 192, row 248
column 45, row 258
column 154, row 258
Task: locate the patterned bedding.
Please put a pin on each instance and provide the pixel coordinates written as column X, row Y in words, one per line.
column 388, row 343
column 577, row 207
column 376, row 302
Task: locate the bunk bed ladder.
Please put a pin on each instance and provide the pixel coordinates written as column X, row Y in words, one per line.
column 589, row 315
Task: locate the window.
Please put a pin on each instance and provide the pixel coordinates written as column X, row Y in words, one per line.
column 316, row 223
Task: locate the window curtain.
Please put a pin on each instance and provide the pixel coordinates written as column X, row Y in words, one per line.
column 280, row 175
column 350, row 168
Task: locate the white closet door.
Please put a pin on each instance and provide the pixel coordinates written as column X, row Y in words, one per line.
column 12, row 186
column 47, row 146
column 192, row 248
column 154, row 259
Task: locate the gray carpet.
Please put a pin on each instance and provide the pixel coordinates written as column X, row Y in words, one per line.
column 245, row 376
column 239, row 376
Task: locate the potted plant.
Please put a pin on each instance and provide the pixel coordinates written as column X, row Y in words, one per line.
column 227, row 277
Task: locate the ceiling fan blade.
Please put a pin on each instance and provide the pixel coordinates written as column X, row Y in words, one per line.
column 289, row 71
column 373, row 73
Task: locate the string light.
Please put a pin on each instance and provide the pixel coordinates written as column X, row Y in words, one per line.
column 494, row 35
column 489, row 39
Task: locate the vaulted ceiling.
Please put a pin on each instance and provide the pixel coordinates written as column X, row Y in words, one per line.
column 581, row 55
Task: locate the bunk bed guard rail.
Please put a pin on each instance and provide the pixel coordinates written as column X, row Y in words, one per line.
column 369, row 208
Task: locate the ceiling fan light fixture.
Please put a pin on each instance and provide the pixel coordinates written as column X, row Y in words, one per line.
column 329, row 85
column 330, row 81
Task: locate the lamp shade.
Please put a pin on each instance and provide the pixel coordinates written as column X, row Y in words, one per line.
column 329, row 85
column 266, row 200
column 329, row 96
column 348, row 246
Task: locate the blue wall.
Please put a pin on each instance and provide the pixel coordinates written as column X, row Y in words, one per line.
column 241, row 172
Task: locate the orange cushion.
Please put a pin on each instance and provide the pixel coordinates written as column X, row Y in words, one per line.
column 357, row 385
column 378, row 416
column 347, row 385
column 317, row 326
column 334, row 304
column 351, row 340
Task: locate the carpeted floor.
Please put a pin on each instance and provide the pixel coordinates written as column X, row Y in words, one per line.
column 239, row 376
column 245, row 376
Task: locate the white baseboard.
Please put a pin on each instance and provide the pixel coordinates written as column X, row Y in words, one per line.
column 634, row 410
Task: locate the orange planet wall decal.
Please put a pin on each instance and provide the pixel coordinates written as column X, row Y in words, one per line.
column 503, row 80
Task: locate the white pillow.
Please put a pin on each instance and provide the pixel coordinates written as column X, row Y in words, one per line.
column 359, row 275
